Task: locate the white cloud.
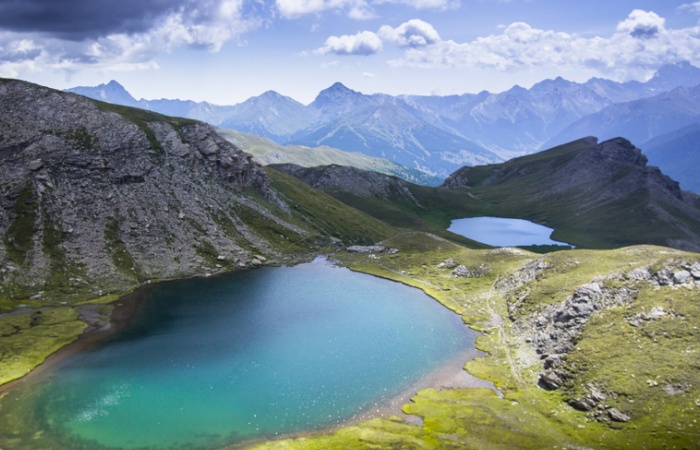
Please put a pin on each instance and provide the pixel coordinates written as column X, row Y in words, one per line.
column 642, row 24
column 640, row 44
column 363, row 43
column 693, row 7
column 414, row 33
column 425, row 4
column 205, row 24
column 355, row 9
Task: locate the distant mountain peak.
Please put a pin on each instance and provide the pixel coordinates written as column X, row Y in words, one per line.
column 337, row 94
column 271, row 94
column 338, row 89
column 670, row 76
column 338, row 86
column 112, row 92
column 115, row 84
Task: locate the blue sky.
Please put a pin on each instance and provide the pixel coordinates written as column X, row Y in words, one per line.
column 225, row 51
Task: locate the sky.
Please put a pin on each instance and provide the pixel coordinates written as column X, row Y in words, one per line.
column 226, row 51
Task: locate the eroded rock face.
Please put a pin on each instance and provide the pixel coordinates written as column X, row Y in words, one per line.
column 554, row 329
column 115, row 195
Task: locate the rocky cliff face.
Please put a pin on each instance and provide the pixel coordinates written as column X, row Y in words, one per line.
column 350, row 179
column 97, row 197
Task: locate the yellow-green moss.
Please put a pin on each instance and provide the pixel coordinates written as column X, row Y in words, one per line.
column 29, row 338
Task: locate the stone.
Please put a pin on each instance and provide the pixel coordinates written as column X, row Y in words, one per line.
column 682, row 277
column 582, row 404
column 367, row 249
column 641, row 273
column 618, row 416
column 695, row 270
column 461, row 271
column 447, row 264
column 35, row 165
column 550, row 380
column 657, row 312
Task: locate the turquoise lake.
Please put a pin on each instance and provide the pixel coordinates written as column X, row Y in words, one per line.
column 251, row 355
column 502, row 232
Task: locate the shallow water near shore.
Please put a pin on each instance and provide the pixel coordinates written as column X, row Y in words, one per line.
column 213, row 362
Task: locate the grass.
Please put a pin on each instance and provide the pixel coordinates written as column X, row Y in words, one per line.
column 28, row 338
column 322, row 214
column 115, row 246
column 268, row 152
column 527, row 416
column 19, row 238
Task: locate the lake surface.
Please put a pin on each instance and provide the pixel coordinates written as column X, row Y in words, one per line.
column 212, row 362
column 501, row 232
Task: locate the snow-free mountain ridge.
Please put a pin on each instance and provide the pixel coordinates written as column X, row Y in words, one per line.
column 431, row 133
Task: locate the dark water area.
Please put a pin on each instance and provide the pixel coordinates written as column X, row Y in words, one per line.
column 253, row 355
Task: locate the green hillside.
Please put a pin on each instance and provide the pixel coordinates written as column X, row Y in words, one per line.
column 269, row 152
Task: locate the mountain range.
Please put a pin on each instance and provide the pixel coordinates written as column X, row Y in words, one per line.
column 435, row 134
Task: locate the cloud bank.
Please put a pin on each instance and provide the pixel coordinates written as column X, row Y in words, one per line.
column 125, row 35
column 639, row 45
column 355, row 9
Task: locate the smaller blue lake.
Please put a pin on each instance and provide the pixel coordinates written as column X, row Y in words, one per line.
column 213, row 362
column 501, row 232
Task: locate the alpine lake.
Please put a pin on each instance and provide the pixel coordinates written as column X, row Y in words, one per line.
column 502, row 232
column 209, row 363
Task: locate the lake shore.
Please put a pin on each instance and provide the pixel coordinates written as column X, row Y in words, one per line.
column 127, row 309
column 450, row 375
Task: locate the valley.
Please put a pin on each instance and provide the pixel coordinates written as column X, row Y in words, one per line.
column 594, row 347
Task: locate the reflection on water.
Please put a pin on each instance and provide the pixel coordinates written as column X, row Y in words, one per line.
column 501, row 232
column 256, row 354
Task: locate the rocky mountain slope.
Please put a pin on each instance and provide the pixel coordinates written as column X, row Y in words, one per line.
column 98, row 198
column 595, row 195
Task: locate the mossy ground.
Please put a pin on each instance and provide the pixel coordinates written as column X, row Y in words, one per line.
column 28, row 338
column 526, row 416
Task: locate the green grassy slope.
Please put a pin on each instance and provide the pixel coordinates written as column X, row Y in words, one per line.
column 269, row 152
column 592, row 196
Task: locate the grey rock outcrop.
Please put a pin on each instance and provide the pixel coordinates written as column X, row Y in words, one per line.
column 463, row 271
column 118, row 196
column 554, row 329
